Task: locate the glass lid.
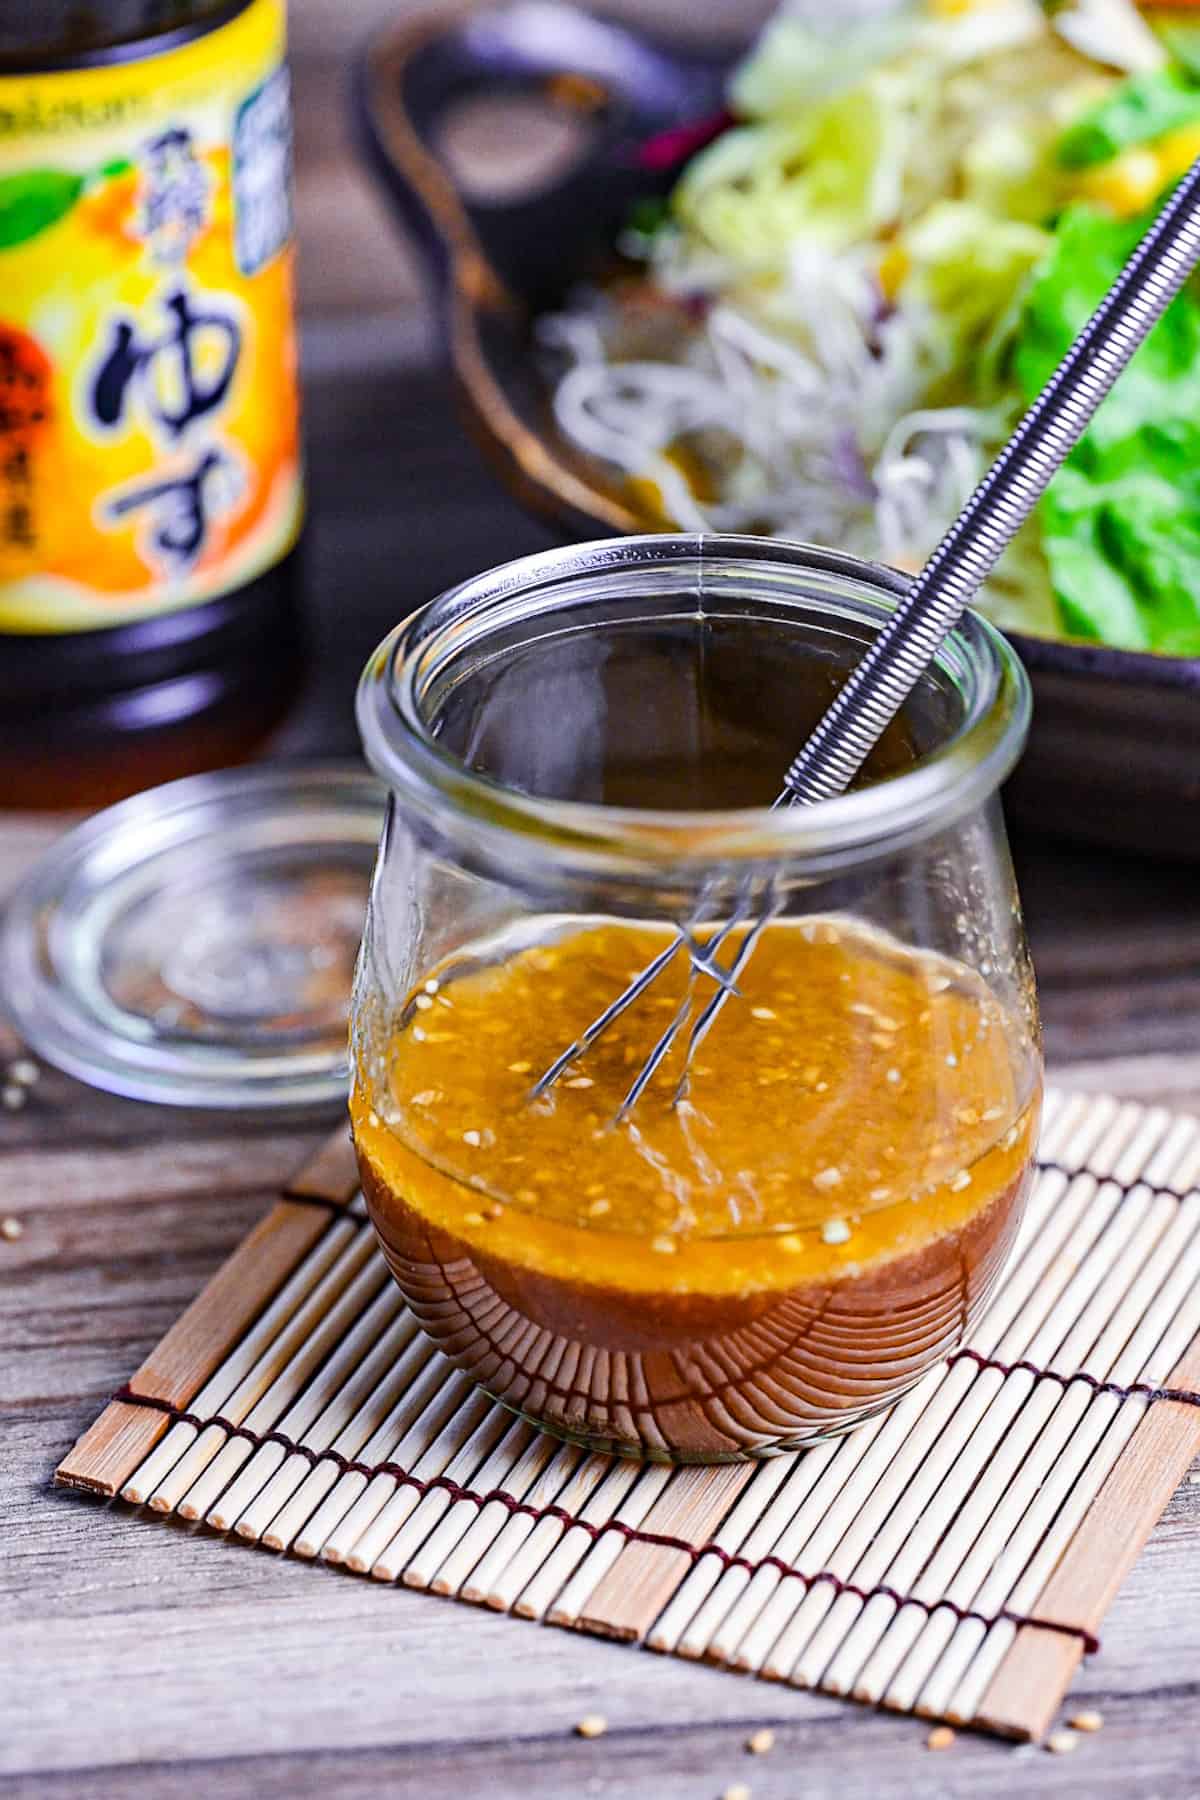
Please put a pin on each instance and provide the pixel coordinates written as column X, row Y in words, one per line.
column 196, row 944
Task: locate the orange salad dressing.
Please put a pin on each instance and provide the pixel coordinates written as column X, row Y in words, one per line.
column 842, row 1174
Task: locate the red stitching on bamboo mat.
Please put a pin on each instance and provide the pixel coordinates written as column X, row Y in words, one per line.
column 632, row 1534
column 1050, row 1167
column 1144, row 1390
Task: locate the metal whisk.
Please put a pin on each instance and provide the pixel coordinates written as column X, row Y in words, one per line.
column 908, row 643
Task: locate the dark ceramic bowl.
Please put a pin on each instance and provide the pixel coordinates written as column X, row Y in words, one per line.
column 1114, row 757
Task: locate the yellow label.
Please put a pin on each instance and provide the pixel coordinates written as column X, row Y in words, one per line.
column 149, row 438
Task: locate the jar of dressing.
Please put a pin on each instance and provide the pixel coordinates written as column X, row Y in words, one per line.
column 810, row 1199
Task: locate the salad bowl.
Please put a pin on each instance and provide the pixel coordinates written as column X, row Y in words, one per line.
column 1114, row 756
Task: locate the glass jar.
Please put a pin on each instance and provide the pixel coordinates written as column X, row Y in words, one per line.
column 150, row 463
column 810, row 1200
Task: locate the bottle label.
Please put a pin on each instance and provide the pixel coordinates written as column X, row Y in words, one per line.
column 149, row 440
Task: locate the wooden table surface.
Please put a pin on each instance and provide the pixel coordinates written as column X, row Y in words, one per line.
column 156, row 1660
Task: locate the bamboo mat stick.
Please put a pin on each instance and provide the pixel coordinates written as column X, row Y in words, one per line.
column 485, row 1558
column 454, row 1405
column 1178, row 1263
column 917, row 1457
column 898, row 1554
column 787, row 1525
column 458, row 1424
column 257, row 1496
column 870, row 1555
column 197, row 1343
column 1168, row 1428
column 528, row 1453
column 1005, row 1662
column 282, row 1371
column 1109, row 1525
column 470, row 1530
column 302, row 1293
column 603, row 1552
column 1019, row 1457
column 250, row 1505
column 1019, row 1581
column 258, row 1463
column 693, row 1617
column 358, row 1498
column 486, row 1451
column 632, row 1594
column 488, row 1464
column 510, row 1587
column 418, row 1376
column 920, row 1662
column 666, row 1634
column 301, row 1506
column 872, row 1653
column 332, row 1174
column 1068, row 1423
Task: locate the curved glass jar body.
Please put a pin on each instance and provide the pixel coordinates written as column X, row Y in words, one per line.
column 787, row 1240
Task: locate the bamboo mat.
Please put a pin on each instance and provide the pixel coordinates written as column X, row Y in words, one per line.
column 953, row 1557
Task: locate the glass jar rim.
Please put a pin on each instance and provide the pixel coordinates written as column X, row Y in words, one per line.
column 944, row 784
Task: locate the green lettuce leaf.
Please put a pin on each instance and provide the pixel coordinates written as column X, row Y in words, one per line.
column 1121, row 522
column 1140, row 111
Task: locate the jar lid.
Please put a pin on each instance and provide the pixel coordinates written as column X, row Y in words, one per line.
column 195, row 945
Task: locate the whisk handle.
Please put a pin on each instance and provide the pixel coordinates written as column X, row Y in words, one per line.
column 1001, row 503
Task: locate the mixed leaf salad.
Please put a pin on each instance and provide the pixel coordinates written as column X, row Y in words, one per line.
column 855, row 289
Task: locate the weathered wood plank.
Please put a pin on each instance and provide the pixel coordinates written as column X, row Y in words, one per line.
column 871, row 1758
column 43, row 1179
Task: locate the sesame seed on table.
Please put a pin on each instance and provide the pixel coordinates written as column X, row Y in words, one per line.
column 158, row 1661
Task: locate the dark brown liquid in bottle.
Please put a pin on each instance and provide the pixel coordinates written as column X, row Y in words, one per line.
column 88, row 717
